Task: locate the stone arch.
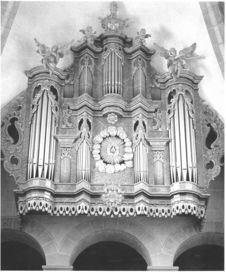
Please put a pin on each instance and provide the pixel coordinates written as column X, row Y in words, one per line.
column 202, row 238
column 13, row 236
column 42, row 235
column 111, row 235
column 91, row 232
column 175, row 238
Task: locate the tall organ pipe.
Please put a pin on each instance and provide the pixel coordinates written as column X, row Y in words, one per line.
column 182, row 143
column 42, row 131
column 112, row 71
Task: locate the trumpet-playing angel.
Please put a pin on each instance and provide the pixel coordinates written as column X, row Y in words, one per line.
column 177, row 62
column 51, row 56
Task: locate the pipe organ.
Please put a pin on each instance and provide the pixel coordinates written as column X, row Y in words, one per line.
column 140, row 148
column 43, row 124
column 79, row 145
column 112, row 69
column 183, row 166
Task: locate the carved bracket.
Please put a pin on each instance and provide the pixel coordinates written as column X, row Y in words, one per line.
column 213, row 129
column 12, row 128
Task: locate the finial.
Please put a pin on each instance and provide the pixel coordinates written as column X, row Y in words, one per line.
column 114, row 8
column 112, row 23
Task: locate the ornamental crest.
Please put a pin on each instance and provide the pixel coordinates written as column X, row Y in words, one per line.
column 112, row 150
column 112, row 195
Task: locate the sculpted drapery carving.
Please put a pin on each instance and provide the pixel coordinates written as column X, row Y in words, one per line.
column 86, row 75
column 140, row 148
column 139, row 76
column 83, row 148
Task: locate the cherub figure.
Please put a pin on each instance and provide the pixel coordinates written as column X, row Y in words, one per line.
column 176, row 63
column 89, row 35
column 141, row 37
column 51, row 56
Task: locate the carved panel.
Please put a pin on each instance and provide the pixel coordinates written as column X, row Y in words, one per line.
column 12, row 131
column 213, row 150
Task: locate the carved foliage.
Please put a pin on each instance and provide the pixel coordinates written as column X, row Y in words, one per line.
column 66, row 118
column 12, row 128
column 213, row 129
column 112, row 195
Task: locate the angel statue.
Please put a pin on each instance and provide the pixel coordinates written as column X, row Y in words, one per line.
column 177, row 62
column 51, row 56
column 89, row 35
column 141, row 36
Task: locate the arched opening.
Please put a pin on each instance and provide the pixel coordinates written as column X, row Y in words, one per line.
column 201, row 258
column 19, row 251
column 109, row 255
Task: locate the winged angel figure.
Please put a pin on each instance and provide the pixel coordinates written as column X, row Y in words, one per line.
column 51, row 56
column 177, row 62
column 141, row 37
column 89, row 35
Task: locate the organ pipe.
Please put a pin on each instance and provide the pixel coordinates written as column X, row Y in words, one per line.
column 112, row 71
column 42, row 130
column 182, row 144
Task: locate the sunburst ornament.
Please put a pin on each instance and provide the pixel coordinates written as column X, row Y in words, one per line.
column 112, row 150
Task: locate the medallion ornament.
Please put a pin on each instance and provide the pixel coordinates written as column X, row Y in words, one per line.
column 112, row 150
column 112, row 118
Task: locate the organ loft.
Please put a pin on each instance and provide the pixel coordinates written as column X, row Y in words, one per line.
column 110, row 135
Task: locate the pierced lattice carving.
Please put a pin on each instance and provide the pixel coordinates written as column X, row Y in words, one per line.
column 215, row 152
column 12, row 128
column 66, row 120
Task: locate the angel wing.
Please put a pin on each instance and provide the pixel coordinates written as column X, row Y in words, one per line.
column 64, row 47
column 189, row 53
column 43, row 50
column 163, row 52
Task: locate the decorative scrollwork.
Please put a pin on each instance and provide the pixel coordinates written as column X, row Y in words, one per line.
column 67, row 112
column 215, row 152
column 157, row 119
column 12, row 137
column 158, row 156
column 112, row 195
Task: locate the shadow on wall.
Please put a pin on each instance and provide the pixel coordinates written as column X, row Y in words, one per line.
column 160, row 36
